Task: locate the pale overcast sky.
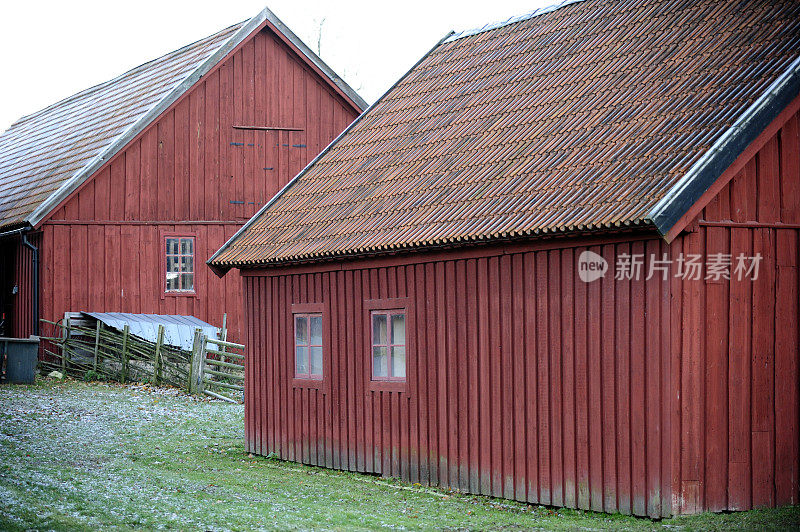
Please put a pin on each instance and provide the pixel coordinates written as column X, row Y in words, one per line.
column 52, row 49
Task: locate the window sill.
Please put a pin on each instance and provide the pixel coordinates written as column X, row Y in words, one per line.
column 388, row 386
column 180, row 294
column 313, row 384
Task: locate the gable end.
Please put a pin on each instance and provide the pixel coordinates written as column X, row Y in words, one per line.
column 264, row 19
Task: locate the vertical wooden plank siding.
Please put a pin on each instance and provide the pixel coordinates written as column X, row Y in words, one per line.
column 491, row 402
column 651, row 396
column 190, row 173
column 739, row 434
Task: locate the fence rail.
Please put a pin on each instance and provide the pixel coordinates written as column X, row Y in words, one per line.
column 100, row 352
column 221, row 377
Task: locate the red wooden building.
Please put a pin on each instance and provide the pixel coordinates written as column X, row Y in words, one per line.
column 421, row 301
column 119, row 192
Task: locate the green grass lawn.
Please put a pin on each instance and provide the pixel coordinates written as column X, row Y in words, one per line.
column 89, row 456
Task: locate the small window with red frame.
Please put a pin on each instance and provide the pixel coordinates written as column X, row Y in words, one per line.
column 389, row 345
column 180, row 264
column 308, row 346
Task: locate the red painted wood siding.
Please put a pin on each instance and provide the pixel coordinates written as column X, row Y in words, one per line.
column 647, row 397
column 102, row 250
column 738, row 434
column 523, row 381
column 119, row 268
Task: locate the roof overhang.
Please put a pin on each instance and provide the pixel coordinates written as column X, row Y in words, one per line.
column 13, row 231
column 668, row 214
column 447, row 251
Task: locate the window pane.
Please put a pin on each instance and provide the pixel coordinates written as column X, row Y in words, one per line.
column 172, row 246
column 378, row 329
column 398, row 362
column 186, row 246
column 316, row 330
column 301, row 361
column 172, row 281
column 399, row 329
column 187, row 264
column 301, row 330
column 316, row 361
column 379, row 357
column 172, row 264
column 187, row 281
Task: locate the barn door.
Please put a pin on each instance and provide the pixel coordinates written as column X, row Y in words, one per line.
column 8, row 253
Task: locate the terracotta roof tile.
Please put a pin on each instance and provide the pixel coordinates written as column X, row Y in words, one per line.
column 582, row 117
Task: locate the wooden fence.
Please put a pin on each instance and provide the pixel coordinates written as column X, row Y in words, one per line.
column 103, row 353
column 217, row 371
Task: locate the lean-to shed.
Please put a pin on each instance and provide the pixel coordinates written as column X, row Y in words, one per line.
column 112, row 199
column 556, row 262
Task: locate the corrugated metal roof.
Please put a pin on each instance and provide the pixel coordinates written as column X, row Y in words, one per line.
column 46, row 155
column 576, row 118
column 178, row 330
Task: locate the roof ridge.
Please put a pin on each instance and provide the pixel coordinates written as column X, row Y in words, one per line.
column 441, row 162
column 103, row 84
column 513, row 20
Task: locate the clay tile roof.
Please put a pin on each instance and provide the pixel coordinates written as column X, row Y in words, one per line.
column 586, row 116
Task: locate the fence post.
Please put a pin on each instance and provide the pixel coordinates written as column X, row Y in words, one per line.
column 64, row 347
column 157, row 356
column 96, row 344
column 197, row 351
column 223, row 335
column 125, row 333
column 202, row 366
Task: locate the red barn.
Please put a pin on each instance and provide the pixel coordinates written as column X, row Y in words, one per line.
column 556, row 262
column 110, row 198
